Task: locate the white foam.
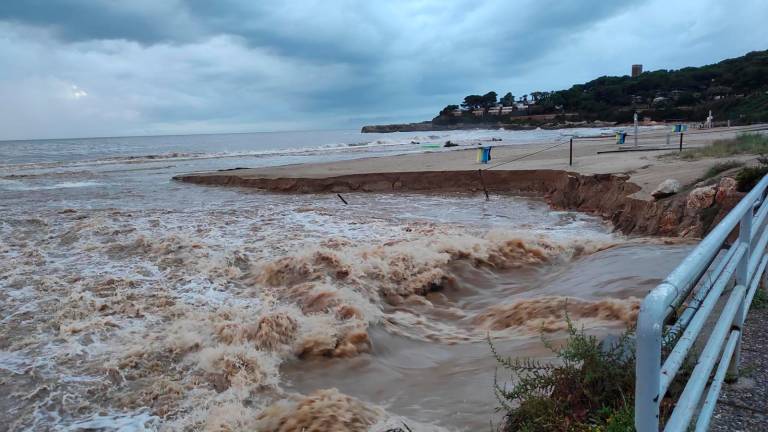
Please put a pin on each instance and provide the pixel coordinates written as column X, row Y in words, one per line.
column 128, row 422
column 14, row 362
column 20, row 186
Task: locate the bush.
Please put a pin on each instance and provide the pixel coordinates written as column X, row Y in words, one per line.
column 591, row 388
column 748, row 177
column 721, row 167
column 760, row 300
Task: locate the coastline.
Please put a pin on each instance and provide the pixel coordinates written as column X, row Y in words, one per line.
column 429, row 126
column 616, row 186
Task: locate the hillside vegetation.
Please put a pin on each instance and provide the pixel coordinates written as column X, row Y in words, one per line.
column 734, row 89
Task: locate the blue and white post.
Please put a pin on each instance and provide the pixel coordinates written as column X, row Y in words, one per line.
column 636, row 128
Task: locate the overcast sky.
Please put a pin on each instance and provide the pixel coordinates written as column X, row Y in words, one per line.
column 73, row 68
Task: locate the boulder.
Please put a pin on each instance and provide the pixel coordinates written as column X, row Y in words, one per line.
column 666, row 188
column 725, row 189
column 701, row 197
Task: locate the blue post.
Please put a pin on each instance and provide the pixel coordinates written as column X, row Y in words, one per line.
column 485, row 155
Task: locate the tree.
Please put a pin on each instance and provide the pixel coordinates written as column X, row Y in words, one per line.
column 489, row 99
column 507, row 100
column 472, row 102
column 448, row 110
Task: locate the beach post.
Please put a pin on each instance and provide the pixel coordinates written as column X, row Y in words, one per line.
column 635, row 128
column 483, row 155
column 570, row 155
column 681, row 141
column 482, row 182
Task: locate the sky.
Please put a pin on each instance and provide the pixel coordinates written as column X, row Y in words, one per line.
column 79, row 68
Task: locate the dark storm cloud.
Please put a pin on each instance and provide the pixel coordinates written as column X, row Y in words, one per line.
column 100, row 66
column 77, row 20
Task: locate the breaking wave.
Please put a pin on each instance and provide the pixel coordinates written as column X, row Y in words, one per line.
column 548, row 314
column 185, row 319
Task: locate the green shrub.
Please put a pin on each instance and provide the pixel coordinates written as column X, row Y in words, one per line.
column 760, row 300
column 590, row 388
column 748, row 177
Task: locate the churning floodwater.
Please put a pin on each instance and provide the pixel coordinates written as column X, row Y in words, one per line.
column 131, row 302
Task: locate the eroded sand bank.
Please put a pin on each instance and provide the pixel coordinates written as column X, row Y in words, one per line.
column 616, row 186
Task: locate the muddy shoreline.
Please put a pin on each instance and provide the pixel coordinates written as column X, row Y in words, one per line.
column 607, row 195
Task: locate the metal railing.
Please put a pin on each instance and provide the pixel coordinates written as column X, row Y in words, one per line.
column 674, row 314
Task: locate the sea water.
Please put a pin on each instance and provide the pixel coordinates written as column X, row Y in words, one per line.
column 129, row 301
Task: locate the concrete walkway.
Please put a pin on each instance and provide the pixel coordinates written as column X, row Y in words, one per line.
column 743, row 406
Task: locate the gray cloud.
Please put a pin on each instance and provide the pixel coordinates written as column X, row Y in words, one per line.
column 98, row 67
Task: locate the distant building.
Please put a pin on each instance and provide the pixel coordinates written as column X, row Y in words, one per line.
column 637, row 69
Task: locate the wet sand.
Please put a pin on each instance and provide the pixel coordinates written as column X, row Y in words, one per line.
column 644, row 167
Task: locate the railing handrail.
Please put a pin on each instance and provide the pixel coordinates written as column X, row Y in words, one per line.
column 746, row 262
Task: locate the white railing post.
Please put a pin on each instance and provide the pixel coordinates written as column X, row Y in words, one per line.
column 648, row 372
column 650, row 323
column 742, row 278
column 745, row 237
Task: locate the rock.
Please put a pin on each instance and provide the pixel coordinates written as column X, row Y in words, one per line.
column 669, row 222
column 666, row 188
column 725, row 189
column 701, row 197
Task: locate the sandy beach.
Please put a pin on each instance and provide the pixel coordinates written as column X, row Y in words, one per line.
column 644, row 168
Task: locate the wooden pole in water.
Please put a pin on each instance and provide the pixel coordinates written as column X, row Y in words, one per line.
column 482, row 182
column 681, row 141
column 342, row 199
column 570, row 156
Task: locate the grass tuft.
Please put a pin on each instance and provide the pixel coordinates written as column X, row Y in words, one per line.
column 721, row 167
column 747, row 143
column 760, row 300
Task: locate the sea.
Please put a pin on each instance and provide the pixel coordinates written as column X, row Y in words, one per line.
column 133, row 302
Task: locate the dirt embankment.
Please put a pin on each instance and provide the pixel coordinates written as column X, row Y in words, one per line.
column 686, row 214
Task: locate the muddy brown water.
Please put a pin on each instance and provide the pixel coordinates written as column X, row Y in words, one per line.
column 450, row 384
column 128, row 300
